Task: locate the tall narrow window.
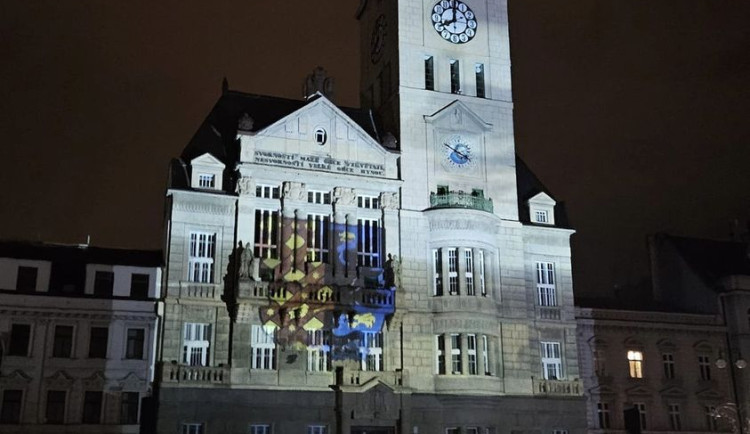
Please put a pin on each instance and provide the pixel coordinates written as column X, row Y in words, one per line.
column 675, row 421
column 26, row 279
column 368, row 242
column 266, row 234
column 440, row 354
column 318, row 237
column 479, row 75
column 92, row 407
column 480, row 268
column 486, row 355
column 545, row 284
column 129, row 408
column 104, row 283
column 98, row 340
column 711, row 424
column 704, row 364
column 318, row 350
column 641, row 407
column 139, row 284
column 551, row 360
column 471, row 352
column 55, row 411
column 469, row 272
column 263, row 349
column 201, row 260
column 19, row 340
column 453, row 271
column 635, row 364
column 11, row 406
column 600, row 363
column 429, row 73
column 371, row 351
column 196, row 341
column 134, row 347
column 455, row 77
column 602, row 411
column 668, row 363
column 456, row 368
column 63, row 343
column 437, row 278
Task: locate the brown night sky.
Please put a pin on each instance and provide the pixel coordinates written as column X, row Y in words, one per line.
column 636, row 114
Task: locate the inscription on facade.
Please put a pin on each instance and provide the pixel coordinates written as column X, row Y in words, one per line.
column 315, row 162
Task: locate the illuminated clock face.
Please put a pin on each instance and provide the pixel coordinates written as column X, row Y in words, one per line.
column 377, row 40
column 458, row 152
column 454, row 21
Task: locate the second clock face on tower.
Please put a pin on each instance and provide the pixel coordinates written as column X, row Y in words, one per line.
column 454, row 21
column 458, row 152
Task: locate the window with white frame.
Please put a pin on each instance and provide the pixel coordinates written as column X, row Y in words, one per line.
column 318, row 237
column 469, row 271
column 201, row 257
column 263, row 348
column 641, row 407
column 437, row 281
column 368, row 242
column 192, row 428
column 456, row 367
column 318, row 350
column 545, row 283
column 602, row 411
column 265, row 191
column 266, row 234
column 440, row 356
column 551, row 360
column 196, row 338
column 206, row 180
column 635, row 364
column 371, row 351
column 675, row 420
column 317, row 429
column 480, row 268
column 541, row 216
column 704, row 365
column 471, row 352
column 321, row 197
column 368, row 202
column 260, row 429
column 452, row 271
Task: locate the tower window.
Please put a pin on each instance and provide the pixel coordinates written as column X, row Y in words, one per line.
column 429, row 73
column 479, row 74
column 321, row 137
column 455, row 77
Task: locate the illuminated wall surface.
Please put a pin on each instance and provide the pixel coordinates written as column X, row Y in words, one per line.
column 330, row 297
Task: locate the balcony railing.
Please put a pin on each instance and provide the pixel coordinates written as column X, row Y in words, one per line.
column 460, row 199
column 174, row 373
column 557, row 387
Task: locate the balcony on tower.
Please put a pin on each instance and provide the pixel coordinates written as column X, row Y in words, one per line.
column 445, row 198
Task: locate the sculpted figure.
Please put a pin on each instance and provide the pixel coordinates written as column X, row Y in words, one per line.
column 344, row 196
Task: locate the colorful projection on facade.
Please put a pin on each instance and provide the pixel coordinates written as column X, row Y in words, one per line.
column 340, row 299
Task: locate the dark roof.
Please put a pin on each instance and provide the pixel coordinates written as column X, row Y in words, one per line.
column 218, row 131
column 528, row 186
column 711, row 259
column 80, row 255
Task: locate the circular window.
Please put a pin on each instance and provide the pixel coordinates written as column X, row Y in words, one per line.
column 321, row 136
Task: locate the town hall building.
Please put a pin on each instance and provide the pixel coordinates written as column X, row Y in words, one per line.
column 393, row 268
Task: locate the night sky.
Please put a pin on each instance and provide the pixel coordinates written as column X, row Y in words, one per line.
column 636, row 114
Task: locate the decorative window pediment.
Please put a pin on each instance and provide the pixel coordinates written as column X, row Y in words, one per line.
column 206, row 172
column 542, row 209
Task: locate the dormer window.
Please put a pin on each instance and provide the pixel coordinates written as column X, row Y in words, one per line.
column 206, row 180
column 541, row 216
column 542, row 209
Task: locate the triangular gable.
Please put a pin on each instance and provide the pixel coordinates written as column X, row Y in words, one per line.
column 673, row 391
column 59, row 379
column 458, row 116
column 95, row 381
column 638, row 391
column 207, row 160
column 542, row 199
column 132, row 382
column 709, row 394
column 17, row 378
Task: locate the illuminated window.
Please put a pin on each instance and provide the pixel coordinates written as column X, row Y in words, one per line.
column 469, row 271
column 371, row 351
column 368, row 242
column 545, row 284
column 318, row 237
column 675, row 421
column 635, row 363
column 479, row 75
column 201, row 257
column 551, row 360
column 318, row 350
column 455, row 76
column 602, row 411
column 263, row 349
column 206, row 180
column 196, row 340
column 266, row 234
column 429, row 73
column 668, row 363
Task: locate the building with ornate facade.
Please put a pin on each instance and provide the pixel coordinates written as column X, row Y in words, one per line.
column 77, row 334
column 390, row 268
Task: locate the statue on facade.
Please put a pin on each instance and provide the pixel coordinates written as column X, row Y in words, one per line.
column 245, row 186
column 344, row 196
column 294, row 190
column 245, row 123
column 392, row 272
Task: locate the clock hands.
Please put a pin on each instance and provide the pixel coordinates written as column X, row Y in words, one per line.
column 459, row 153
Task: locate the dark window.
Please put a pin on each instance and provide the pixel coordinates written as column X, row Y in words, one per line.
column 134, row 349
column 11, row 411
column 139, row 285
column 19, row 340
column 55, row 406
column 477, row 192
column 92, row 407
column 129, row 408
column 98, row 342
column 442, row 190
column 103, row 283
column 429, row 73
column 479, row 73
column 26, row 280
column 63, row 345
column 455, row 77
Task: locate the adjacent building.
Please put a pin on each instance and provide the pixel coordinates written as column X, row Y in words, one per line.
column 77, row 333
column 390, row 268
column 673, row 359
